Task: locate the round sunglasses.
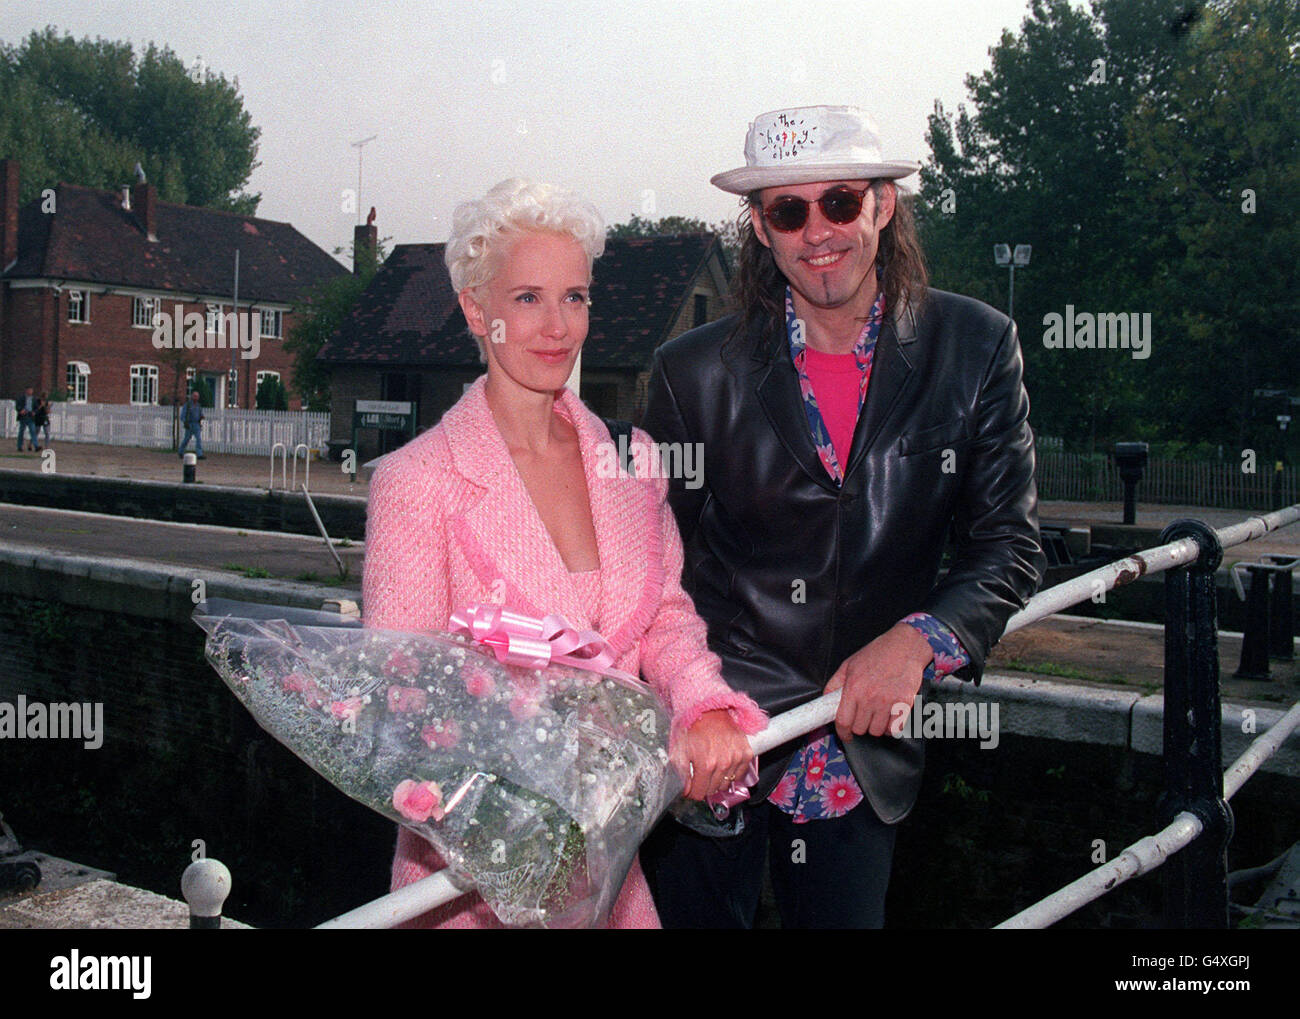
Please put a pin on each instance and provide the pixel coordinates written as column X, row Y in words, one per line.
column 841, row 204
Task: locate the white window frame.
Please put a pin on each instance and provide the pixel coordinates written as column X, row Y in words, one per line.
column 212, row 319
column 147, row 374
column 76, row 377
column 277, row 319
column 143, row 312
column 79, row 307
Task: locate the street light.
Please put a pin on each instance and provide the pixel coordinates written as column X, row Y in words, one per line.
column 1003, row 255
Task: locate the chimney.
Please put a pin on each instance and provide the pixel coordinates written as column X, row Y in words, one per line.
column 365, row 240
column 144, row 204
column 8, row 212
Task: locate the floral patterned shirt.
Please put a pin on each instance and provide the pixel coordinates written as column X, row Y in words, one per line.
column 818, row 783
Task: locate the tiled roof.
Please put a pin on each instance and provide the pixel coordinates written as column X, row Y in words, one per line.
column 409, row 314
column 92, row 238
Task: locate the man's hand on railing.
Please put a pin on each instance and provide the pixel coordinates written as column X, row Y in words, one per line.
column 880, row 681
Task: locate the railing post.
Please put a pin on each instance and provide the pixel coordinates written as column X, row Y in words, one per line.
column 205, row 885
column 1196, row 880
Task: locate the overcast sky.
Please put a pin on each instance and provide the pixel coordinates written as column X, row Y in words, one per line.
column 635, row 105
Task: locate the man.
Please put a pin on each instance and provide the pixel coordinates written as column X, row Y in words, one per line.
column 26, row 407
column 192, row 419
column 850, row 418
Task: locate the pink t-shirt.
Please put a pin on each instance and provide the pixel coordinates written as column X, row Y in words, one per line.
column 835, row 380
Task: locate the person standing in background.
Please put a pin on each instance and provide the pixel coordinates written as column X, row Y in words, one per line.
column 192, row 419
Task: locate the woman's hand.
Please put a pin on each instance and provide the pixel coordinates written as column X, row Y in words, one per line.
column 711, row 755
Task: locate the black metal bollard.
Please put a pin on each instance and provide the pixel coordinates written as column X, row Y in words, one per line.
column 1254, row 635
column 1196, row 879
column 1131, row 458
column 189, row 465
column 1281, row 621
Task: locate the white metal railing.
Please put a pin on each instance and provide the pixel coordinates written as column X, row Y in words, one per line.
column 1146, row 854
column 227, row 430
column 440, row 888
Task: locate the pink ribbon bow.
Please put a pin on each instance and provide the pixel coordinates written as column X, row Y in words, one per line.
column 734, row 794
column 534, row 643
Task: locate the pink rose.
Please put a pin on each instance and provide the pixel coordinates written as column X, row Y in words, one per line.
column 445, row 734
column 401, row 664
column 406, row 698
column 348, row 709
column 312, row 695
column 478, row 682
column 523, row 707
column 418, row 801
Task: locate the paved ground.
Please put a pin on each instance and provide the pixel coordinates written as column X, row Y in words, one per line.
column 251, row 553
column 1080, row 650
column 165, row 465
column 255, row 471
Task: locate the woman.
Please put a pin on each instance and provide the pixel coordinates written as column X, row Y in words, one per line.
column 503, row 503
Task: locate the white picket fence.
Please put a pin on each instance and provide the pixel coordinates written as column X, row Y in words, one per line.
column 224, row 431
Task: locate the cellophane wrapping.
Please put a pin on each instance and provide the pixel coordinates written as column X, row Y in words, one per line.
column 536, row 785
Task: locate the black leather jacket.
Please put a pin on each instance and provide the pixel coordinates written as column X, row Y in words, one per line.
column 942, row 442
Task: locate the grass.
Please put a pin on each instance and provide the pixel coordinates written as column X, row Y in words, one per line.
column 314, row 578
column 252, row 572
column 1070, row 672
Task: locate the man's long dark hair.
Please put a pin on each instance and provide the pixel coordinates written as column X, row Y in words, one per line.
column 756, row 287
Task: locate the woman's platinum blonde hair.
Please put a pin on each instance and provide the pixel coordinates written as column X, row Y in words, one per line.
column 481, row 229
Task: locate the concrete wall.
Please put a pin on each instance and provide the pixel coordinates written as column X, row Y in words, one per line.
column 344, row 516
column 996, row 828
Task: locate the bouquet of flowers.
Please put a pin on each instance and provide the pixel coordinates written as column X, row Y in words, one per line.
column 538, row 784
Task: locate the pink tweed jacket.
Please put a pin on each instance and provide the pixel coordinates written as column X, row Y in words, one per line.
column 450, row 523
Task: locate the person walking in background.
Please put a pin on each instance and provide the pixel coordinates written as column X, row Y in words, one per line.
column 26, row 407
column 42, row 419
column 192, row 419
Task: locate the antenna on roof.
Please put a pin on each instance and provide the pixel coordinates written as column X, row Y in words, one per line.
column 139, row 174
column 359, row 146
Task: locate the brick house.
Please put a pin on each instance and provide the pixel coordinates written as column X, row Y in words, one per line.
column 406, row 338
column 84, row 272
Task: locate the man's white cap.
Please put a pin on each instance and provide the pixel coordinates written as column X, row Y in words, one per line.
column 808, row 144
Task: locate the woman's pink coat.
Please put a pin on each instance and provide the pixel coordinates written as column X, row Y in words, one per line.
column 450, row 524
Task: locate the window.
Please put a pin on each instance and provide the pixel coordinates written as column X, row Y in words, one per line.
column 701, row 309
column 78, row 306
column 272, row 324
column 144, row 384
column 232, row 388
column 262, row 376
column 214, row 318
column 78, row 381
column 143, row 310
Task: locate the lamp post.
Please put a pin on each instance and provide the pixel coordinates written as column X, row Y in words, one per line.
column 1003, row 255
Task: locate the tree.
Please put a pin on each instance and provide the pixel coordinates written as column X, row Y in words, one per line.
column 1218, row 159
column 86, row 111
column 1045, row 160
column 317, row 317
column 726, row 232
column 271, row 394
